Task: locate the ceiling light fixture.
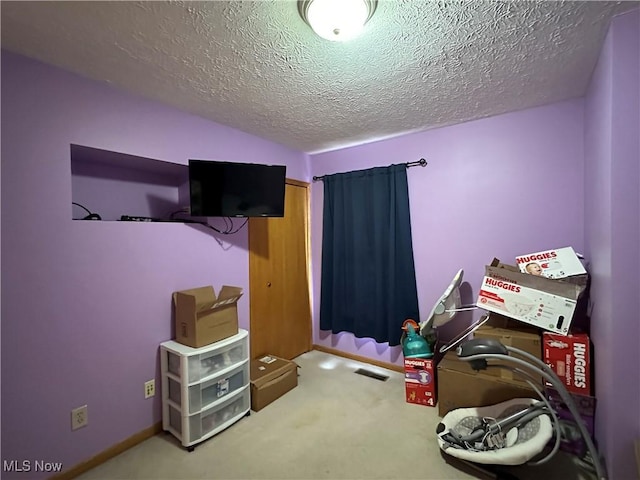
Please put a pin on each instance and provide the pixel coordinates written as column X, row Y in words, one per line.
column 337, row 20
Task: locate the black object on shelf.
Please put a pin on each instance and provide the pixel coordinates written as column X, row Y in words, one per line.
column 133, row 218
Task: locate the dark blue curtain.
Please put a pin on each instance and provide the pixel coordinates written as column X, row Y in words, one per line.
column 368, row 282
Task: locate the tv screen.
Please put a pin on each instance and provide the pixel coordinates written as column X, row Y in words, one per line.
column 226, row 189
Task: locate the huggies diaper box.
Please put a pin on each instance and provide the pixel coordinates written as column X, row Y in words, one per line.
column 545, row 303
column 569, row 357
column 420, row 381
column 557, row 263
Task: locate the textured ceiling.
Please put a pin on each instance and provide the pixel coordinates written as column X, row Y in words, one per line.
column 256, row 66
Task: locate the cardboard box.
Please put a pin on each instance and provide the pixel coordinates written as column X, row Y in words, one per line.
column 420, row 381
column 202, row 318
column 459, row 386
column 545, row 303
column 271, row 377
column 523, row 338
column 500, row 321
column 570, row 358
column 571, row 440
column 558, row 263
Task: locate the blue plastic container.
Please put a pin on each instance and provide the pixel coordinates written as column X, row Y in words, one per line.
column 415, row 346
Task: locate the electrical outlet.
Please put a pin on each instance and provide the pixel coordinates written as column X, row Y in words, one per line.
column 79, row 417
column 149, row 388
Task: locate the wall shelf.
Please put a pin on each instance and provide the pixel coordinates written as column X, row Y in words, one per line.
column 113, row 184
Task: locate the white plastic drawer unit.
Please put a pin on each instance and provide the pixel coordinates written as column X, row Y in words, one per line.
column 196, row 428
column 206, row 389
column 187, row 362
column 201, row 395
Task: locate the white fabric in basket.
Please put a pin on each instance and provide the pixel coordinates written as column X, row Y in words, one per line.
column 516, row 454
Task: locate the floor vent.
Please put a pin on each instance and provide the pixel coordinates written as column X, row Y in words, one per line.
column 369, row 373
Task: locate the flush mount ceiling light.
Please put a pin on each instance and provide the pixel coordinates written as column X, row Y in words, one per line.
column 337, row 20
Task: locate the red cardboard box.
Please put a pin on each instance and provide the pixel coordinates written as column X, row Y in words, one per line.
column 569, row 356
column 420, row 381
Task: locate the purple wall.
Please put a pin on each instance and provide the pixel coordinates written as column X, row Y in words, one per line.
column 612, row 236
column 496, row 187
column 85, row 304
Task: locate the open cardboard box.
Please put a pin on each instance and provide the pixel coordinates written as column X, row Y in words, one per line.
column 520, row 336
column 459, row 386
column 203, row 318
column 545, row 303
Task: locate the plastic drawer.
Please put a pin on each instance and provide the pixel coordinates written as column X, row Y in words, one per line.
column 202, row 424
column 202, row 365
column 175, row 420
column 204, row 394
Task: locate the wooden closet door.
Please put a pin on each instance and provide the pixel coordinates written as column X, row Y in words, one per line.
column 280, row 306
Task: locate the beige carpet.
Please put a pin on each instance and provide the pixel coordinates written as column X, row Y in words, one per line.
column 335, row 425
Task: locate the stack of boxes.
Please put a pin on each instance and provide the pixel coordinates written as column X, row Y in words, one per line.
column 203, row 318
column 538, row 306
column 546, row 303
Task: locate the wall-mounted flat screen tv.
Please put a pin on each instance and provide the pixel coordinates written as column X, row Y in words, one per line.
column 227, row 189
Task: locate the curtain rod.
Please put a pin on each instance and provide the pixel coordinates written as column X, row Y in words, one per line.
column 422, row 162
